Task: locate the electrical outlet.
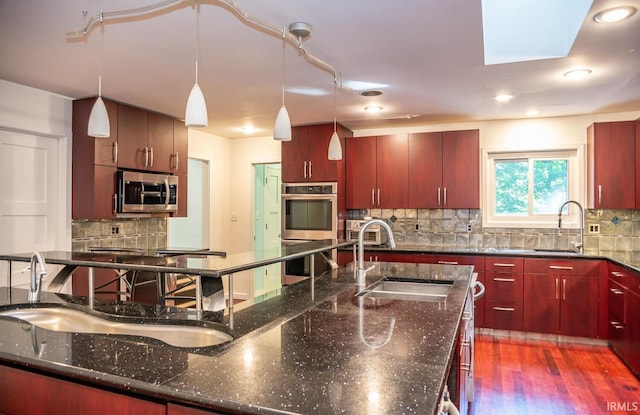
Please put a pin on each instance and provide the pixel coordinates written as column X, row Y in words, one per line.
column 468, row 227
column 417, row 227
column 594, row 228
column 115, row 230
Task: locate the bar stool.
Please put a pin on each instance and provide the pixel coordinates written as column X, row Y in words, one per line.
column 127, row 279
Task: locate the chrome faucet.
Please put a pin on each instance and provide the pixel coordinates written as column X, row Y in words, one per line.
column 580, row 244
column 36, row 277
column 360, row 279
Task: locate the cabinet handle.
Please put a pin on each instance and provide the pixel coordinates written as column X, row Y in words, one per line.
column 499, row 264
column 504, row 279
column 445, row 196
column 115, row 203
column 378, row 197
column 438, row 196
column 599, row 194
column 560, row 267
column 310, row 171
column 564, row 289
column 557, row 293
column 373, row 197
column 617, row 325
column 114, row 151
column 146, row 156
column 617, row 274
column 448, row 262
column 616, row 291
column 304, row 171
column 510, row 309
column 151, row 152
column 177, row 161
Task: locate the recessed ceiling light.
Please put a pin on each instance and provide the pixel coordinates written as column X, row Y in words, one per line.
column 373, row 108
column 532, row 113
column 248, row 129
column 615, row 14
column 503, row 97
column 577, row 73
column 370, row 93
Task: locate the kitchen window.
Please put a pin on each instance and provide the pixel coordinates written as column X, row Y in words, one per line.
column 527, row 189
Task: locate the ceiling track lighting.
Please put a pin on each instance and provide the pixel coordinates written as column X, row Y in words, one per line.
column 196, row 111
column 98, row 125
column 335, row 147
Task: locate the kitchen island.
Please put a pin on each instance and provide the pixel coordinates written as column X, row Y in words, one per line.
column 307, row 348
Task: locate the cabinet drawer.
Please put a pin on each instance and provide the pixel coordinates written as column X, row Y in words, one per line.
column 504, row 286
column 561, row 265
column 616, row 296
column 503, row 315
column 504, row 264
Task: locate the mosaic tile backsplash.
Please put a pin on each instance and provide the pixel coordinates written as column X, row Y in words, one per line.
column 619, row 230
column 143, row 233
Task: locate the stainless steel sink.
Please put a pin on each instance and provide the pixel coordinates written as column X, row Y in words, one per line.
column 75, row 321
column 416, row 290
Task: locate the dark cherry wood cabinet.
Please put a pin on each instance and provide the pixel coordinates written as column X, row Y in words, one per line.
column 611, row 178
column 25, row 392
column 504, row 296
column 624, row 314
column 377, row 172
column 174, row 409
column 566, row 297
column 637, row 131
column 305, row 157
column 93, row 164
column 444, row 170
column 180, row 156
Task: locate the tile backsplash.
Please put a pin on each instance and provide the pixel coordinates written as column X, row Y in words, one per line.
column 142, row 233
column 619, row 230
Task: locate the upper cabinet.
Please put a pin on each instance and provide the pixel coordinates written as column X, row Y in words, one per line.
column 377, row 172
column 444, row 170
column 611, row 182
column 139, row 140
column 304, row 158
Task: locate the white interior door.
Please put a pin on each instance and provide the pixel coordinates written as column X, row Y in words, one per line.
column 272, row 231
column 28, row 196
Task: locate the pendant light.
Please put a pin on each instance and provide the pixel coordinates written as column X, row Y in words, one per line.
column 196, row 112
column 282, row 129
column 99, row 118
column 335, row 148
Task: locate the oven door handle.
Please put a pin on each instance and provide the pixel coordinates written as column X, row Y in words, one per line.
column 167, row 197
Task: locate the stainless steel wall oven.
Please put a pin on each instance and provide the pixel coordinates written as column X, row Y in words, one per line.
column 309, row 211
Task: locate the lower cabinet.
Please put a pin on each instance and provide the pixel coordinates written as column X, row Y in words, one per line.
column 623, row 311
column 174, row 409
column 562, row 297
column 504, row 297
column 25, row 392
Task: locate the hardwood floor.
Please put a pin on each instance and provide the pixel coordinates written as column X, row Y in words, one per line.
column 517, row 376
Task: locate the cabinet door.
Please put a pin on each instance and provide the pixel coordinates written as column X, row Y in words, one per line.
column 132, row 137
column 295, row 156
column 579, row 306
column 425, row 170
column 392, row 171
column 611, row 154
column 632, row 336
column 361, row 172
column 541, row 305
column 182, row 196
column 160, row 142
column 461, row 169
column 180, row 160
column 321, row 168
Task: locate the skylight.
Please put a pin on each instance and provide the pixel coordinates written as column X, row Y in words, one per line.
column 516, row 31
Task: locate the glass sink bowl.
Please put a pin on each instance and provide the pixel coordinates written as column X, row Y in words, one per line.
column 415, row 290
column 75, row 321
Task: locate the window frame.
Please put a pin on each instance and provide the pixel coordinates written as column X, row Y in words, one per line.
column 576, row 181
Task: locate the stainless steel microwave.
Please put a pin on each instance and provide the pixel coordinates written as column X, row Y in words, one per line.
column 146, row 192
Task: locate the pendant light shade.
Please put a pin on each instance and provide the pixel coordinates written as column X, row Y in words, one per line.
column 282, row 130
column 335, row 148
column 99, row 118
column 196, row 113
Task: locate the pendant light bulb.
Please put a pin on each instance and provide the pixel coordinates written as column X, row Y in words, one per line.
column 282, row 130
column 196, row 112
column 335, row 148
column 99, row 118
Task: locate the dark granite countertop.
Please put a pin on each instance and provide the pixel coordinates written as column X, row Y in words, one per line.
column 629, row 259
column 300, row 351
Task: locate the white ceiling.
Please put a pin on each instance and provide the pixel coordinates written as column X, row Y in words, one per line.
column 428, row 52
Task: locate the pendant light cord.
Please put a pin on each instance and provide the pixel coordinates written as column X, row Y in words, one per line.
column 197, row 36
column 101, row 53
column 284, row 45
